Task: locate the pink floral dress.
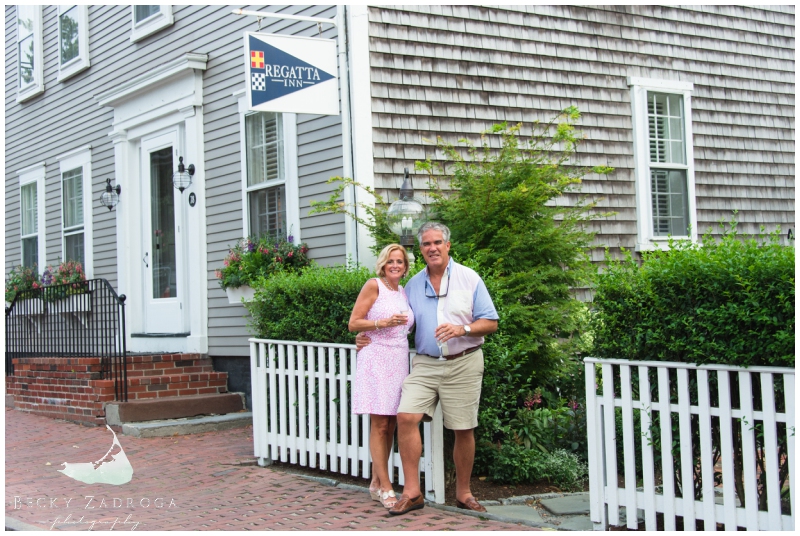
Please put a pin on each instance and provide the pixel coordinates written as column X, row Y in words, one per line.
column 382, row 366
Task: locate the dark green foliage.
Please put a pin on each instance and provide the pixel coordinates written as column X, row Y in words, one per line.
column 516, row 464
column 501, row 209
column 312, row 306
column 729, row 302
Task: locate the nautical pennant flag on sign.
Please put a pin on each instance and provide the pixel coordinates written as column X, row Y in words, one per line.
column 291, row 74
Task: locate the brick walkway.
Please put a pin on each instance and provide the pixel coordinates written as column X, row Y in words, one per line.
column 193, row 482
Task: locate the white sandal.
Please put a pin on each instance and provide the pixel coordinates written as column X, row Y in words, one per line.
column 388, row 498
column 375, row 494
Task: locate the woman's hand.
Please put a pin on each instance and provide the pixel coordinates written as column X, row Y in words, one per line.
column 396, row 320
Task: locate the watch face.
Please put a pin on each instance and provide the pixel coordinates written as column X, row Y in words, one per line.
column 467, row 329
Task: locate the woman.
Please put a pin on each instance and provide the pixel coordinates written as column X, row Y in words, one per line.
column 382, row 309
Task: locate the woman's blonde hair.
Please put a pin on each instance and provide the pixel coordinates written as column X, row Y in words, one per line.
column 383, row 258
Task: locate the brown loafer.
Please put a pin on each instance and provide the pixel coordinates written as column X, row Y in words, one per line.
column 406, row 504
column 470, row 504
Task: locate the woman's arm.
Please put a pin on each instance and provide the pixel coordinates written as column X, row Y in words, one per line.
column 364, row 302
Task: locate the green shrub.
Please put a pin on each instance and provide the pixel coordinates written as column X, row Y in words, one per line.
column 727, row 301
column 516, row 464
column 313, row 305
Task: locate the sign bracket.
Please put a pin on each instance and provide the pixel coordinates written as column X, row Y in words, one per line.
column 261, row 15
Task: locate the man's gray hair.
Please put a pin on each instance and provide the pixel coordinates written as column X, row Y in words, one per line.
column 433, row 226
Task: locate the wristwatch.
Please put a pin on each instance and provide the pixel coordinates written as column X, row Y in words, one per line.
column 467, row 330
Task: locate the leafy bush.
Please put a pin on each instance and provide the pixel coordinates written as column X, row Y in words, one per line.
column 19, row 279
column 65, row 273
column 250, row 259
column 516, row 464
column 729, row 302
column 313, row 305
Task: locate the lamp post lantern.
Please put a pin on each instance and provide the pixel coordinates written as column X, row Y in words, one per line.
column 406, row 215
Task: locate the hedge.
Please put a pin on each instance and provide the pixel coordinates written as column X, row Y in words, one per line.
column 727, row 301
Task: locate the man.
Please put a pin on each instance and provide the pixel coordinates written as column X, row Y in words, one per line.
column 452, row 311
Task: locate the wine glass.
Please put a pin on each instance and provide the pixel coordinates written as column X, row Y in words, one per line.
column 405, row 326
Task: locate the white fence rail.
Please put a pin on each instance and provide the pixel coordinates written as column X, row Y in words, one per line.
column 724, row 424
column 302, row 413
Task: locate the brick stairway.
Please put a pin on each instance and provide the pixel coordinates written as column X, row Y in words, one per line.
column 160, row 386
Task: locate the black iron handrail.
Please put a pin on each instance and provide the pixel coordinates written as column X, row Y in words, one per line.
column 85, row 319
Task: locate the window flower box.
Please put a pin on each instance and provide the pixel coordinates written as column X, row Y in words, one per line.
column 236, row 295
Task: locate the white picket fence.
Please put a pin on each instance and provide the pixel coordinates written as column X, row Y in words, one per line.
column 302, row 413
column 696, row 388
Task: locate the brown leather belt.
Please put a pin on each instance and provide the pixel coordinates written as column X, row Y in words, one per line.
column 465, row 352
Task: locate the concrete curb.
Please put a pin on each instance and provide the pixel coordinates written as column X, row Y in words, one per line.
column 522, row 499
column 188, row 425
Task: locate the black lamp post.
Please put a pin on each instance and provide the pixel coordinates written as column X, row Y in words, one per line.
column 406, row 215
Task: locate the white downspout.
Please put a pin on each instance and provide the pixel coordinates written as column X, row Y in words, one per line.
column 350, row 195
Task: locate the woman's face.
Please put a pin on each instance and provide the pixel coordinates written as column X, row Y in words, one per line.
column 395, row 267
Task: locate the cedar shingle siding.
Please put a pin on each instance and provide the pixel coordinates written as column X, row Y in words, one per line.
column 453, row 71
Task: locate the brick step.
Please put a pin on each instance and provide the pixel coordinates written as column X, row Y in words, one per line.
column 201, row 383
column 118, row 413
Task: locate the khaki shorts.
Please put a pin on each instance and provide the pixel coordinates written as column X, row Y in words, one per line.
column 456, row 383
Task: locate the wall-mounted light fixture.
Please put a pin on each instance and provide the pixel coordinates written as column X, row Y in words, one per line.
column 182, row 178
column 110, row 197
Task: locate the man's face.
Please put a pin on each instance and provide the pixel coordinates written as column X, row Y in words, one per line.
column 435, row 250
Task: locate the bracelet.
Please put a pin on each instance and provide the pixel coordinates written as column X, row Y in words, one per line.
column 376, row 324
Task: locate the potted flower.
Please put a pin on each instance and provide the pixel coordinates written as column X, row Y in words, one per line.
column 19, row 280
column 66, row 282
column 251, row 259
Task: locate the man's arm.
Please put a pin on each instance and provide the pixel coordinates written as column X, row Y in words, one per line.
column 479, row 328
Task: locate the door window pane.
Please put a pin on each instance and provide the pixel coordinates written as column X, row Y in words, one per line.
column 70, row 49
column 264, row 134
column 142, row 12
column 72, row 185
column 73, row 248
column 666, row 128
column 162, row 215
column 670, row 202
column 268, row 212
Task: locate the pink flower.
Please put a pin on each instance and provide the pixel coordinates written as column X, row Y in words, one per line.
column 35, row 285
column 225, row 262
column 278, row 259
column 290, row 253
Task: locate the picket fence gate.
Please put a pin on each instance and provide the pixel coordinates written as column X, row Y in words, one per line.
column 302, row 413
column 610, row 398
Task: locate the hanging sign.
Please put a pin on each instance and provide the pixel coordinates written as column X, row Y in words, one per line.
column 286, row 73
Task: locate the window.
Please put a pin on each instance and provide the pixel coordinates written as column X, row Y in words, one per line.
column 29, row 52
column 76, row 203
column 31, row 216
column 269, row 173
column 664, row 161
column 73, row 40
column 267, row 204
column 147, row 20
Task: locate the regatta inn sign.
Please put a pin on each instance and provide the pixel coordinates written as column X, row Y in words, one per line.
column 291, row 74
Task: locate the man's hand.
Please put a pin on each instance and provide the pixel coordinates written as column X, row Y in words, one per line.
column 362, row 340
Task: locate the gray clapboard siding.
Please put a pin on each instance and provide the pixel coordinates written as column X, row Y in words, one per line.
column 319, row 148
column 521, row 63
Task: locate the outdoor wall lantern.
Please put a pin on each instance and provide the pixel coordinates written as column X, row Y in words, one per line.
column 182, row 178
column 406, row 215
column 110, row 197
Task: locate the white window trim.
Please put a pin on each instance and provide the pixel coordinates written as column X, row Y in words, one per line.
column 151, row 24
column 37, row 87
column 81, row 62
column 80, row 158
column 290, row 180
column 35, row 173
column 646, row 240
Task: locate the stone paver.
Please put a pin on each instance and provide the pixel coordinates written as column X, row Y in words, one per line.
column 194, row 482
column 575, row 504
